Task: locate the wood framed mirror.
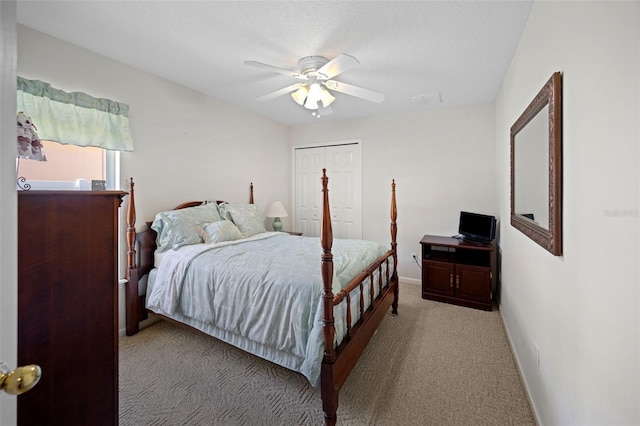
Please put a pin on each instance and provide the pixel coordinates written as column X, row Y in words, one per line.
column 536, row 168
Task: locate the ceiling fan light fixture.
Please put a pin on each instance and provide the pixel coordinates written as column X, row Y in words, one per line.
column 300, row 95
column 326, row 97
column 314, row 96
column 311, row 103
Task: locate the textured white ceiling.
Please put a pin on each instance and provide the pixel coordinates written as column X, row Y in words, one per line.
column 406, row 49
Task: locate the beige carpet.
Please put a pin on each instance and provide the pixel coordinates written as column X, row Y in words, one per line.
column 434, row 364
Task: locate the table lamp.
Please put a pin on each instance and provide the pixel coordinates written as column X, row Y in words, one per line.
column 277, row 211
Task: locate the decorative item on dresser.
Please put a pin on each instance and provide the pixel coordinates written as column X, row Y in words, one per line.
column 457, row 271
column 338, row 325
column 67, row 305
column 29, row 146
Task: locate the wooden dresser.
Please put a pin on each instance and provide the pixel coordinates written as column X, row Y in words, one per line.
column 68, row 306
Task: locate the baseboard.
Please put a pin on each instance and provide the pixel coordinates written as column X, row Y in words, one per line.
column 522, row 377
column 412, row 281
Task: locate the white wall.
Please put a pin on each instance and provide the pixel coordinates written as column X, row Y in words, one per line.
column 581, row 309
column 187, row 146
column 443, row 161
column 8, row 207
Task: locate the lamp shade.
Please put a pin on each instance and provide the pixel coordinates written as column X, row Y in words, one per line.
column 326, row 98
column 277, row 210
column 314, row 96
column 300, row 95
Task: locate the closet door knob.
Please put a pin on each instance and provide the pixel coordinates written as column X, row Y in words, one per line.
column 20, row 380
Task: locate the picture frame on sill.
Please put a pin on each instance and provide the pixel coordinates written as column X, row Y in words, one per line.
column 98, row 185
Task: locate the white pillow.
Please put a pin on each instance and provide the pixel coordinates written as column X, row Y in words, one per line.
column 177, row 228
column 224, row 211
column 246, row 218
column 217, row 232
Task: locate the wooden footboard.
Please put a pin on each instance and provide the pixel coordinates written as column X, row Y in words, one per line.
column 337, row 361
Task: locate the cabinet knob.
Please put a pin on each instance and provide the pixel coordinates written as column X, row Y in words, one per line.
column 20, row 380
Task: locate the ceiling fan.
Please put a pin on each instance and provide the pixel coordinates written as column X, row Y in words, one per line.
column 317, row 73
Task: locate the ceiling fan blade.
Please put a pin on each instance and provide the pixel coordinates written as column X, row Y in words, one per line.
column 337, row 65
column 280, row 92
column 358, row 92
column 276, row 69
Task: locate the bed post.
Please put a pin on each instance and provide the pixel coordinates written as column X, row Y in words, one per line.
column 132, row 307
column 251, row 193
column 131, row 230
column 329, row 389
column 394, row 245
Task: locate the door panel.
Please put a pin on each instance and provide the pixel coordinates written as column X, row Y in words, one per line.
column 307, row 203
column 346, row 203
column 438, row 277
column 344, row 169
column 474, row 282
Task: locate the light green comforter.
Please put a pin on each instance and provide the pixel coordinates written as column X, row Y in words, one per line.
column 265, row 289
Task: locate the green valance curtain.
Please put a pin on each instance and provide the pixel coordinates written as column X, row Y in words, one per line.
column 75, row 118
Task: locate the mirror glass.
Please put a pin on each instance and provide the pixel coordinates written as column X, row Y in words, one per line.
column 536, row 168
column 531, row 162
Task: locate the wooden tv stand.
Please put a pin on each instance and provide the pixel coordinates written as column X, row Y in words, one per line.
column 456, row 271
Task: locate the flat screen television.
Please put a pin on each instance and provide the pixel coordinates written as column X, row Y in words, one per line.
column 477, row 227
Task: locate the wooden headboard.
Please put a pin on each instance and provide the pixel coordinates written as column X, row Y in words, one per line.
column 197, row 203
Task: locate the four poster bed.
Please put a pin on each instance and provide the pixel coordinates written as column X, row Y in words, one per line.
column 262, row 291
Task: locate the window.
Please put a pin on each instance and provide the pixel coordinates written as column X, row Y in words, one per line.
column 70, row 167
column 75, row 120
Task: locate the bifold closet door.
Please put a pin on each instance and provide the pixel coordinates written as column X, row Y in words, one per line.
column 344, row 168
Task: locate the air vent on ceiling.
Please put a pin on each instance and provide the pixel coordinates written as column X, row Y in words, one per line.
column 426, row 99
